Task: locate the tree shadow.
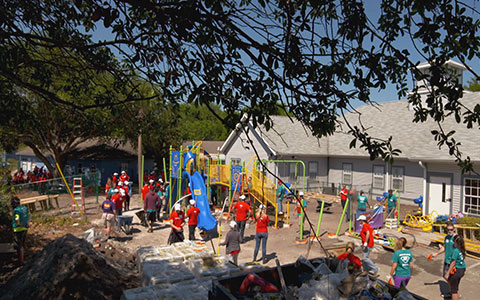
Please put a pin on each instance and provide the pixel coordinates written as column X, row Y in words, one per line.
column 270, row 256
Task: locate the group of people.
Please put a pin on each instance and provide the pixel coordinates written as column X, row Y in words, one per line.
column 117, row 199
column 402, row 261
column 36, row 175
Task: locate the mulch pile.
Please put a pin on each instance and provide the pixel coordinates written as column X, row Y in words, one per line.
column 69, row 268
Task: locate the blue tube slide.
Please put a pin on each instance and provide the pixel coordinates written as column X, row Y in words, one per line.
column 199, row 191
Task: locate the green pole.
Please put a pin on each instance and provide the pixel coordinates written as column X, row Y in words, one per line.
column 398, row 206
column 180, row 167
column 320, row 218
column 208, row 178
column 164, row 169
column 171, row 183
column 343, row 215
column 350, row 212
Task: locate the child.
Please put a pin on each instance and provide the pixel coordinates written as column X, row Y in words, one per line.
column 457, row 266
column 354, row 263
column 232, row 241
column 402, row 264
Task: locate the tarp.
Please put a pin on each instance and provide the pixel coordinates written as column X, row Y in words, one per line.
column 374, row 218
column 236, row 173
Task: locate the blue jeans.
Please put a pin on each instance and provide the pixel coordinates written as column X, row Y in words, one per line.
column 263, row 236
column 389, row 209
column 367, row 262
column 241, row 227
column 279, row 202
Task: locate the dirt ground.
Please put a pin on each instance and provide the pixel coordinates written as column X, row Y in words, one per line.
column 282, row 244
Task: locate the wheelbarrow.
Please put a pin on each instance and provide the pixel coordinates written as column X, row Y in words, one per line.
column 125, row 223
column 326, row 207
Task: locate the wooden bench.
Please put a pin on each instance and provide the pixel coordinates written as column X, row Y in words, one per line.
column 44, row 200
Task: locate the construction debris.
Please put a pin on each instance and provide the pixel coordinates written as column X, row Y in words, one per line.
column 69, row 268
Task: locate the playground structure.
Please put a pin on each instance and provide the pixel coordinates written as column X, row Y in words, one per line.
column 424, row 222
column 201, row 172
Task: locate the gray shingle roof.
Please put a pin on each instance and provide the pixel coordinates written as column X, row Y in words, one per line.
column 287, row 137
column 388, row 118
column 413, row 139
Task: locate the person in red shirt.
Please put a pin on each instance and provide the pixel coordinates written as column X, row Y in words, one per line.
column 124, row 177
column 262, row 233
column 192, row 214
column 115, row 177
column 367, row 244
column 117, row 199
column 354, row 263
column 177, row 220
column 145, row 191
column 242, row 210
column 343, row 198
column 125, row 195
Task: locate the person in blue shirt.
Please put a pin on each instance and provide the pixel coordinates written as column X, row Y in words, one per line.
column 20, row 223
column 457, row 266
column 391, row 204
column 362, row 203
column 280, row 194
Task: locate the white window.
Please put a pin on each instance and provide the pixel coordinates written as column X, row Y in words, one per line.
column 236, row 161
column 312, row 169
column 378, row 180
column 347, row 177
column 472, row 196
column 397, row 178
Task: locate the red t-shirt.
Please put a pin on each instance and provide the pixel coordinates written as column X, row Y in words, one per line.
column 177, row 218
column 262, row 224
column 192, row 214
column 351, row 258
column 367, row 228
column 145, row 191
column 242, row 209
column 342, row 196
column 117, row 199
column 124, row 177
column 125, row 188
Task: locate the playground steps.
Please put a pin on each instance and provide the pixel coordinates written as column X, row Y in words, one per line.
column 391, row 223
column 472, row 247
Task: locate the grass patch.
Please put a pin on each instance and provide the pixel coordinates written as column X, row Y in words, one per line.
column 56, row 220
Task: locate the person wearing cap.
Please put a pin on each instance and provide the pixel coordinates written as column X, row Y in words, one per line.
column 117, row 199
column 124, row 177
column 301, row 203
column 192, row 214
column 177, row 220
column 20, row 223
column 366, row 233
column 109, row 215
column 232, row 243
column 151, row 184
column 125, row 195
column 115, row 177
column 343, row 200
column 261, row 233
column 150, row 207
column 242, row 209
column 280, row 194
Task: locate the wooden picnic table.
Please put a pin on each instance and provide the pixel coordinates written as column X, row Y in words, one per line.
column 44, row 200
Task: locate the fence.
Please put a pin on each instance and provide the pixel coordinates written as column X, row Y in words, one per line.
column 90, row 181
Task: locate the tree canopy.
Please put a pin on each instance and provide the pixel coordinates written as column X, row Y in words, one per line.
column 315, row 58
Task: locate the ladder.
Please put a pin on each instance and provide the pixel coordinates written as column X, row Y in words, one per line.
column 78, row 196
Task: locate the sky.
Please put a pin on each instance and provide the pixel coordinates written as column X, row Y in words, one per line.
column 372, row 8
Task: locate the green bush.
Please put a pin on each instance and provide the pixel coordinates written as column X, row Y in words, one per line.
column 6, row 191
column 469, row 221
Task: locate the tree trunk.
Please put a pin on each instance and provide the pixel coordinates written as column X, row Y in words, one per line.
column 44, row 159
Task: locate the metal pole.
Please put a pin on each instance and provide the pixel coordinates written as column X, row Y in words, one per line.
column 164, row 170
column 208, row 178
column 230, row 186
column 398, row 206
column 343, row 215
column 320, row 218
column 350, row 212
